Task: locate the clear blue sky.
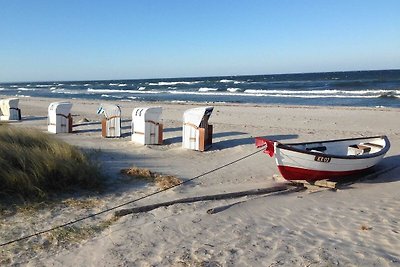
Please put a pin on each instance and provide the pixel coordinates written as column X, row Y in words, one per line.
column 116, row 39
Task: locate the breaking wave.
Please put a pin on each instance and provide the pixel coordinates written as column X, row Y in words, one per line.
column 234, row 90
column 173, row 83
column 100, row 91
column 206, row 89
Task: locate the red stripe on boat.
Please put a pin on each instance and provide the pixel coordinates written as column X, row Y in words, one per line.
column 294, row 173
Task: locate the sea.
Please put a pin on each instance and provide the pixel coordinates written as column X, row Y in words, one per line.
column 379, row 88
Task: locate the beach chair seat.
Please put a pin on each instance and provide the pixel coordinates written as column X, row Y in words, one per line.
column 197, row 133
column 147, row 128
column 59, row 117
column 111, row 123
column 9, row 109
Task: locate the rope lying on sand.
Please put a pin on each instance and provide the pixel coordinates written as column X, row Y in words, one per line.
column 127, row 203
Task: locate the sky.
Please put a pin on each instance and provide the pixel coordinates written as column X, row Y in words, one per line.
column 59, row 40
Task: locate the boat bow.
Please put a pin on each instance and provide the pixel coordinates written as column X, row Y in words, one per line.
column 270, row 145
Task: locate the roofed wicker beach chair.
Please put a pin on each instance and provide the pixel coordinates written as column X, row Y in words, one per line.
column 147, row 128
column 111, row 123
column 197, row 133
column 9, row 109
column 59, row 117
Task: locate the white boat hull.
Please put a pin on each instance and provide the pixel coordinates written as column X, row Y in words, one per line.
column 301, row 162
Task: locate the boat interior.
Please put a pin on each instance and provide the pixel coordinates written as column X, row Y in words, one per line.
column 345, row 147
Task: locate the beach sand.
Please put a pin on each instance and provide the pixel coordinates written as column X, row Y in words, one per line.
column 354, row 226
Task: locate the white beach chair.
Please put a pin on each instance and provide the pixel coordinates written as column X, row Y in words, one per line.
column 197, row 133
column 147, row 128
column 111, row 124
column 9, row 109
column 59, row 117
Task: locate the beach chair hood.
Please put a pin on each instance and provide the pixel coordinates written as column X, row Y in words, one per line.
column 146, row 125
column 109, row 110
column 195, row 115
column 63, row 108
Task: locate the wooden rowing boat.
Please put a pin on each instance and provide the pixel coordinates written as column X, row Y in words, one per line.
column 331, row 159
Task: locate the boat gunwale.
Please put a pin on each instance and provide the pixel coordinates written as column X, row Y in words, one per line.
column 383, row 151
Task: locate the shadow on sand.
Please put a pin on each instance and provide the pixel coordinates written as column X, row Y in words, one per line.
column 387, row 171
column 34, row 118
column 178, row 139
column 176, row 129
column 248, row 140
column 384, row 172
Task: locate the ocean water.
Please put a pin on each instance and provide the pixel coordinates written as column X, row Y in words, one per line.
column 356, row 88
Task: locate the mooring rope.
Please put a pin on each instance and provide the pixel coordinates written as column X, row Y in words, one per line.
column 127, row 203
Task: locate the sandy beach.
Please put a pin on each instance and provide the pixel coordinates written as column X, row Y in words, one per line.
column 353, row 226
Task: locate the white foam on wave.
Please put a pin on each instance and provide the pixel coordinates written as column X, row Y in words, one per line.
column 141, row 88
column 43, row 85
column 207, row 89
column 234, row 90
column 260, row 91
column 370, row 92
column 318, row 96
column 111, row 96
column 99, row 91
column 230, row 81
column 118, row 84
column 22, row 95
column 257, row 93
column 325, row 93
column 181, row 101
column 87, row 84
column 67, row 92
column 26, row 89
column 173, row 83
column 1, row 88
column 207, row 93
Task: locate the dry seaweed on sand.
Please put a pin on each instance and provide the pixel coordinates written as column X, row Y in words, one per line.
column 161, row 181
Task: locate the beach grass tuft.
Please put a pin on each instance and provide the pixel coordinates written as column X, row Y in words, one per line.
column 35, row 165
column 75, row 234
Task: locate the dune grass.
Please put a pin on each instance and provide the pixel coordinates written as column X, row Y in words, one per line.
column 34, row 165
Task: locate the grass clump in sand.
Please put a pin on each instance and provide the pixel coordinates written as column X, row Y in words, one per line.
column 35, row 165
column 161, row 181
column 76, row 234
column 51, row 241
